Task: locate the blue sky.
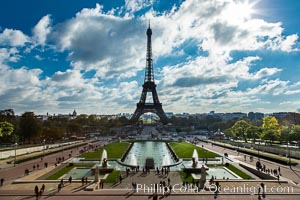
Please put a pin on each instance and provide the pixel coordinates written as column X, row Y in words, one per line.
column 226, row 56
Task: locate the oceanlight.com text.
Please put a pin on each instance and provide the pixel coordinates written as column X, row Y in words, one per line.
column 244, row 188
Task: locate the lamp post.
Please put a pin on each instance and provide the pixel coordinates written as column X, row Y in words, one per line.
column 44, row 141
column 16, row 144
column 63, row 145
column 289, row 154
column 258, row 150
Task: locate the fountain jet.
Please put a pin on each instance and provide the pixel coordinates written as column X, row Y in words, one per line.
column 195, row 158
column 133, row 160
column 104, row 158
column 166, row 160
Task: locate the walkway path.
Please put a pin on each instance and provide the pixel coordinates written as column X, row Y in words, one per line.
column 10, row 173
column 286, row 171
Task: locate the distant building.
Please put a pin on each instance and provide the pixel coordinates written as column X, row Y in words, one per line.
column 229, row 116
column 74, row 114
column 279, row 115
column 256, row 115
column 7, row 113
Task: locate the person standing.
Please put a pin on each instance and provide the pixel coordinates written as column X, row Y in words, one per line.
column 43, row 188
column 82, row 180
column 2, row 181
column 36, row 191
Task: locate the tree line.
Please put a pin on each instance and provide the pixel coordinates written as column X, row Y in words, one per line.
column 29, row 129
column 269, row 131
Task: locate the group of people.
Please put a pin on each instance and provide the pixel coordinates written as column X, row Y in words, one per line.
column 38, row 192
column 164, row 170
column 262, row 167
column 37, row 166
column 84, row 180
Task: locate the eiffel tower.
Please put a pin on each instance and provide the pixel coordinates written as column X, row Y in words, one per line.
column 149, row 86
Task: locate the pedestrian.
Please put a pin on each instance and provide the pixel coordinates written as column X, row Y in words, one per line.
column 59, row 187
column 43, row 188
column 1, row 182
column 62, row 182
column 36, row 191
column 37, row 166
column 82, row 180
column 279, row 171
column 86, row 180
column 262, row 185
column 70, row 179
column 155, row 197
column 120, row 179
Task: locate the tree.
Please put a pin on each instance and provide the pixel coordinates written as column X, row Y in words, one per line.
column 239, row 129
column 270, row 129
column 295, row 134
column 30, row 127
column 253, row 132
column 6, row 129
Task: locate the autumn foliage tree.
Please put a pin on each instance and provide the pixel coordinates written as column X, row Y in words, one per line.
column 270, row 129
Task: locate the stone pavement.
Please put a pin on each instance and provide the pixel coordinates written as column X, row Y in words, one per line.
column 75, row 190
column 287, row 172
column 248, row 189
column 11, row 173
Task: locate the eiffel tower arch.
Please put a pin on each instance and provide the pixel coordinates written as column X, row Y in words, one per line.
column 149, row 86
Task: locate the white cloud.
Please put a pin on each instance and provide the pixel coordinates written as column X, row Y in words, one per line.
column 114, row 46
column 110, row 45
column 13, row 38
column 136, row 5
column 42, row 29
column 9, row 54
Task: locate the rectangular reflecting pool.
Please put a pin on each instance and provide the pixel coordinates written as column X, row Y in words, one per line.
column 158, row 151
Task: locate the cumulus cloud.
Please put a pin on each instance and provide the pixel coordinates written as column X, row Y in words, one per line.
column 13, row 38
column 108, row 44
column 114, row 47
column 136, row 5
column 9, row 54
column 42, row 29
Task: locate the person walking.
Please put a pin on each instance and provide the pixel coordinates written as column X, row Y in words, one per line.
column 43, row 188
column 2, row 181
column 82, row 180
column 70, row 179
column 36, row 191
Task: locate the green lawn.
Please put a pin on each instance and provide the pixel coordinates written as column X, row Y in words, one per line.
column 186, row 177
column 238, row 172
column 60, row 172
column 112, row 177
column 185, row 150
column 114, row 150
column 65, row 170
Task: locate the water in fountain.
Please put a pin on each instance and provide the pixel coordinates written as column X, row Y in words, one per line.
column 104, row 155
column 195, row 157
column 133, row 160
column 166, row 160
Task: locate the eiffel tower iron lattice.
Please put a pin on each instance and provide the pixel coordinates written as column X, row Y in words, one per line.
column 149, row 86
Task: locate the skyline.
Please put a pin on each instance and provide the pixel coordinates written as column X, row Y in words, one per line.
column 90, row 56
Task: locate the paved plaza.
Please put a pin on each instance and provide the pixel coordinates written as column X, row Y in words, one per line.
column 23, row 187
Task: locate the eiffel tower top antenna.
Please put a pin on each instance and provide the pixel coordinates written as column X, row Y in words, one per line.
column 149, row 74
